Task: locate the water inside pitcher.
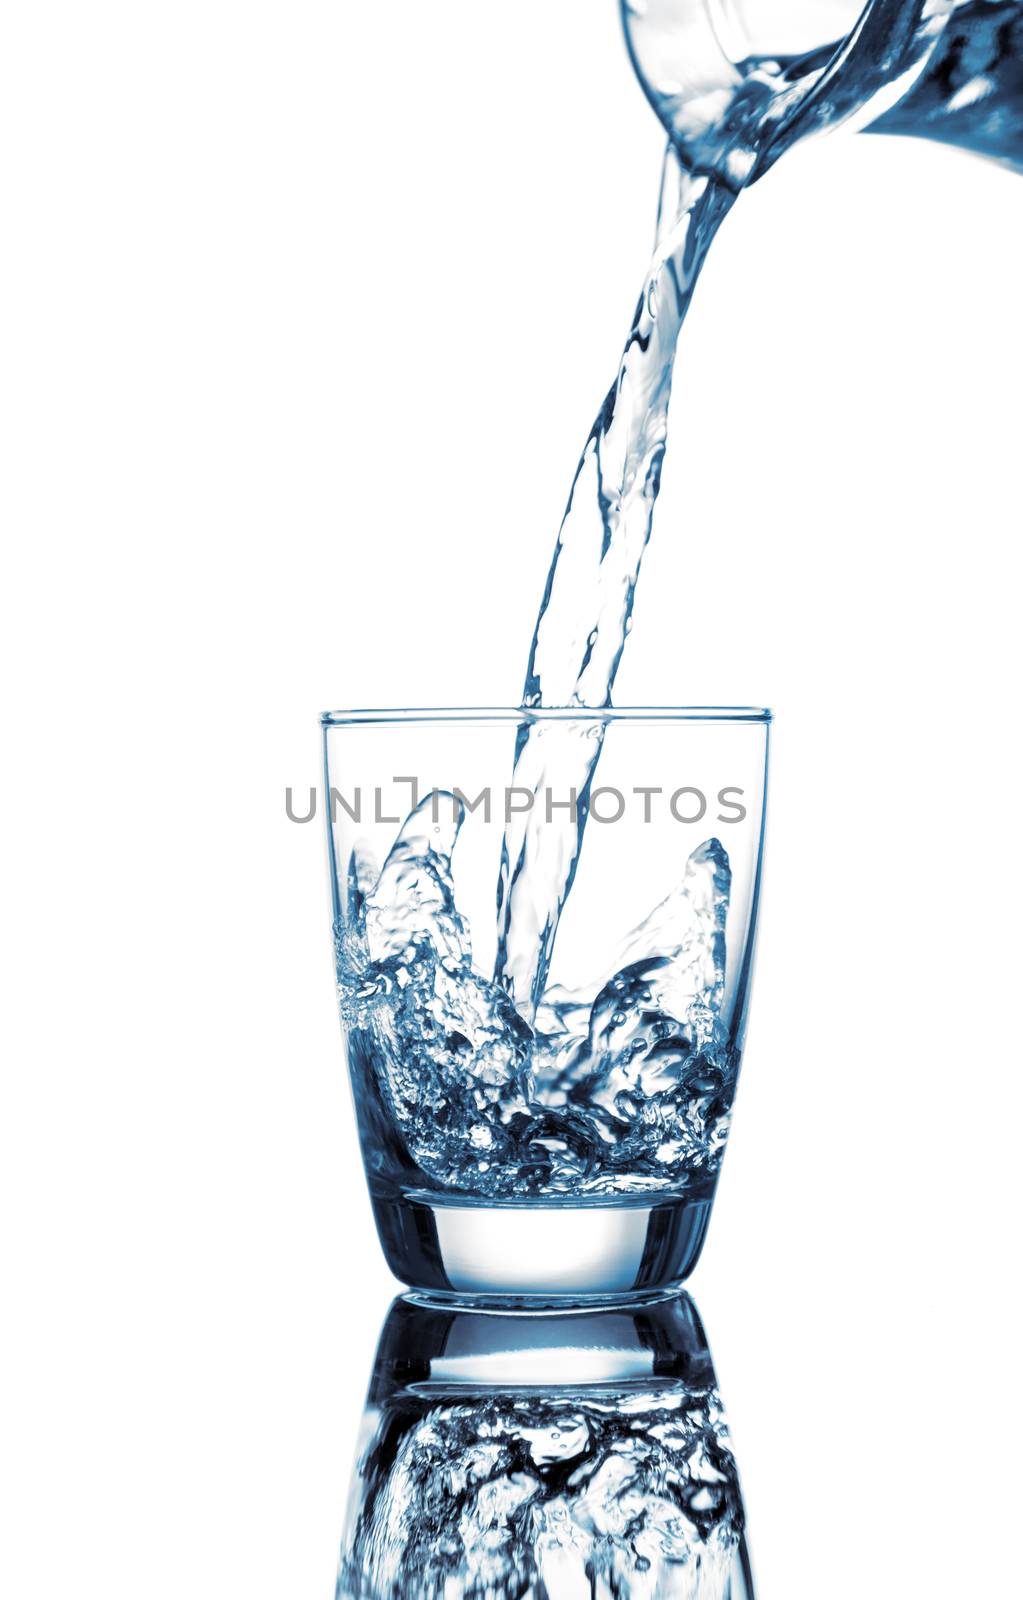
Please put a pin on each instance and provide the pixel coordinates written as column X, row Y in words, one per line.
column 735, row 82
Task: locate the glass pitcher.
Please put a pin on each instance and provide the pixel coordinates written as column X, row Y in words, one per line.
column 735, row 82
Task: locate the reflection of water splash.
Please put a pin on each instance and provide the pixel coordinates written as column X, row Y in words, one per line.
column 556, row 1493
column 482, row 1475
column 621, row 1087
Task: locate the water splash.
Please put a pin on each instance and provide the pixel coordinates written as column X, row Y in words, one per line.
column 621, row 1087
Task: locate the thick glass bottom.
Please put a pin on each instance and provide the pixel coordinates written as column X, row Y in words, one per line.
column 541, row 1254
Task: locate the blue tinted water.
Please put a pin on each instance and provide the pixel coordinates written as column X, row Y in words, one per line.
column 623, row 1086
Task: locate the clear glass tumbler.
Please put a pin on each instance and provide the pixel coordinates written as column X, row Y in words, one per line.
column 544, row 926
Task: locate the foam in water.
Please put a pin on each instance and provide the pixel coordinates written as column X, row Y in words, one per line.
column 621, row 1087
column 583, row 1495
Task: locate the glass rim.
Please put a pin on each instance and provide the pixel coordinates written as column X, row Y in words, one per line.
column 518, row 714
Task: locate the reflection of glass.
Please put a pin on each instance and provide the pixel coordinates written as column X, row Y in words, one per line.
column 544, row 1457
column 552, row 1129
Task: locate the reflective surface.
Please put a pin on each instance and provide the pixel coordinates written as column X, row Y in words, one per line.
column 583, row 1454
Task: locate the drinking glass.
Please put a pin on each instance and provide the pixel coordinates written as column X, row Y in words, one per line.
column 584, row 1453
column 544, row 926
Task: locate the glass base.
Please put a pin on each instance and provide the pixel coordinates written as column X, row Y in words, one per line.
column 541, row 1255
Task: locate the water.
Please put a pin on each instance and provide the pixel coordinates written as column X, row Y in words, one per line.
column 622, row 1086
column 971, row 92
column 586, row 610
column 498, row 1086
column 585, row 1494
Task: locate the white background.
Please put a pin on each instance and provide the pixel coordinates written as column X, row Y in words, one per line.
column 305, row 312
